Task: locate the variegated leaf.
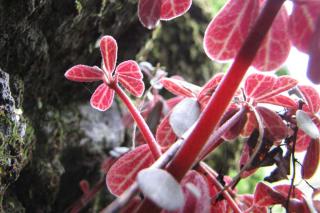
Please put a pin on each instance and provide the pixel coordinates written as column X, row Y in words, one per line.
column 102, row 97
column 266, row 196
column 257, row 85
column 273, row 123
column 228, row 30
column 173, row 8
column 302, row 24
column 276, row 47
column 130, row 76
column 149, row 12
column 314, row 55
column 280, row 100
column 282, row 84
column 250, row 125
column 109, row 51
column 124, row 171
column 180, row 87
column 312, row 98
column 165, row 135
column 83, row 73
column 284, row 190
column 311, row 160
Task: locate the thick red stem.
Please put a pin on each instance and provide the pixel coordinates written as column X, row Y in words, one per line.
column 145, row 131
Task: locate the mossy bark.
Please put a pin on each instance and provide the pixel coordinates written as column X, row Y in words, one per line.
column 39, row 41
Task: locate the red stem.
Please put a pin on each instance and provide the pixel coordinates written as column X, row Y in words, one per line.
column 203, row 168
column 145, row 131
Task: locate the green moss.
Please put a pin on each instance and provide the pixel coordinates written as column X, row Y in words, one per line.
column 79, row 5
column 15, row 150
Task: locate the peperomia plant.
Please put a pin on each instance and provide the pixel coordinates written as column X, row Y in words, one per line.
column 276, row 116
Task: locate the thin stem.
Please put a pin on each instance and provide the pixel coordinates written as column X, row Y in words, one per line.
column 205, row 169
column 293, row 167
column 146, row 132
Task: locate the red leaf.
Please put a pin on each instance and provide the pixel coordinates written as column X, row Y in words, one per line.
column 273, row 122
column 173, row 8
column 149, row 12
column 227, row 31
column 302, row 141
column 129, row 68
column 109, row 51
column 302, row 24
column 314, row 56
column 258, row 85
column 196, row 192
column 180, row 87
column 312, row 98
column 283, row 83
column 244, row 159
column 265, row 89
column 124, row 171
column 208, row 89
column 250, row 125
column 83, row 73
column 246, row 201
column 311, row 160
column 102, row 98
column 266, row 196
column 235, row 130
column 284, row 190
column 130, row 76
column 276, row 46
column 296, row 205
column 280, row 100
column 247, row 204
column 165, row 135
